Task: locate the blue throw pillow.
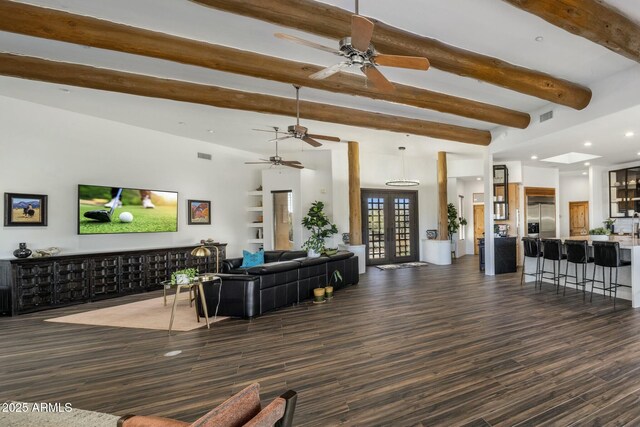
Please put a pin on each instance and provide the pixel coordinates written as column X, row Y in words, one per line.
column 252, row 259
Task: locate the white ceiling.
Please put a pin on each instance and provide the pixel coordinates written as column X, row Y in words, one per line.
column 487, row 26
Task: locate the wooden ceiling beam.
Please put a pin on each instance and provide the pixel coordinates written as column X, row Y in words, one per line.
column 63, row 26
column 31, row 68
column 329, row 21
column 592, row 19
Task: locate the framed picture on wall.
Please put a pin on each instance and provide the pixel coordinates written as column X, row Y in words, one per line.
column 22, row 210
column 199, row 212
column 478, row 197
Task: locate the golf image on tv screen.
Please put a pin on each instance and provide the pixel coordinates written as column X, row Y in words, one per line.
column 108, row 210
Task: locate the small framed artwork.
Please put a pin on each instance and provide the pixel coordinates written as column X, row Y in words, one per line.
column 199, row 212
column 478, row 197
column 25, row 210
column 432, row 234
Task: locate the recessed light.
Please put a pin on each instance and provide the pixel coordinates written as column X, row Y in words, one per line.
column 638, row 153
column 210, row 130
column 64, row 89
column 539, row 39
column 629, row 134
column 181, row 123
column 587, row 164
column 478, row 179
column 587, row 144
column 534, row 157
column 584, row 173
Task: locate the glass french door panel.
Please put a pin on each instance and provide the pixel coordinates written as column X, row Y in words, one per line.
column 402, row 225
column 376, row 228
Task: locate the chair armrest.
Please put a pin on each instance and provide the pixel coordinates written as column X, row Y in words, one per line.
column 291, row 398
column 231, row 264
column 271, row 414
column 144, row 421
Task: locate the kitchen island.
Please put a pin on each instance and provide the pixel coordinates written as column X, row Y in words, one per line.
column 629, row 276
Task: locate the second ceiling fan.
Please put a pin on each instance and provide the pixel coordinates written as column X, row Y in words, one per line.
column 360, row 52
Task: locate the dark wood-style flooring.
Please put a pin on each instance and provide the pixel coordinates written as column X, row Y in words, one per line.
column 426, row 346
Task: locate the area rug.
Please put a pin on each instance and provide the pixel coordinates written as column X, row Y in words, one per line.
column 23, row 414
column 402, row 265
column 147, row 314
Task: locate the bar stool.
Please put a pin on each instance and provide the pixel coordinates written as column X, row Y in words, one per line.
column 532, row 249
column 552, row 251
column 607, row 255
column 577, row 254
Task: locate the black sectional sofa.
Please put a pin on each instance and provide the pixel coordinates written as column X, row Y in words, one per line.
column 286, row 278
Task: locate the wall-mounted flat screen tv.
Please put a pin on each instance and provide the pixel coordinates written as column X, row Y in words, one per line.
column 109, row 210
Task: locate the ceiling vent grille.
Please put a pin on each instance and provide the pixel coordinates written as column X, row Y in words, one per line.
column 546, row 116
column 204, row 156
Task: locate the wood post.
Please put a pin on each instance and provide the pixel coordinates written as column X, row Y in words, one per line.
column 443, row 229
column 355, row 207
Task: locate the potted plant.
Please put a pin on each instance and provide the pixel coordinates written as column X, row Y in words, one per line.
column 608, row 224
column 453, row 223
column 328, row 290
column 184, row 276
column 318, row 223
column 599, row 233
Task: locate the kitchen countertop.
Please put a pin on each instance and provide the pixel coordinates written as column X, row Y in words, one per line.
column 626, row 242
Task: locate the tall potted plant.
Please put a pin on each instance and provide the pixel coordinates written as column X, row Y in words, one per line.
column 318, row 223
column 453, row 223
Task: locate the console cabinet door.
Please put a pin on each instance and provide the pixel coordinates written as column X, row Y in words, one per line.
column 71, row 283
column 105, row 277
column 157, row 269
column 35, row 286
column 132, row 274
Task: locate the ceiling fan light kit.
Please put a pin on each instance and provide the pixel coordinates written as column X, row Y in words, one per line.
column 402, row 182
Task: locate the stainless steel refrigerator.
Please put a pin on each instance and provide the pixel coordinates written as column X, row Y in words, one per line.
column 541, row 216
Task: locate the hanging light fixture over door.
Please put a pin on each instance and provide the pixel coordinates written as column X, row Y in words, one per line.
column 403, row 182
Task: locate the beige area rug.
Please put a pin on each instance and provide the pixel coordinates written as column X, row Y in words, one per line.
column 148, row 314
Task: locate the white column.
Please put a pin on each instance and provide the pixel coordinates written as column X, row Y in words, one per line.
column 488, row 215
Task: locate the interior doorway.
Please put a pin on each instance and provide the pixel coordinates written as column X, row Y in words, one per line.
column 478, row 226
column 578, row 218
column 283, row 220
column 390, row 227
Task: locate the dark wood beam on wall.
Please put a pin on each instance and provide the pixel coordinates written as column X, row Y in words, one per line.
column 135, row 84
column 63, row 26
column 330, row 21
column 594, row 20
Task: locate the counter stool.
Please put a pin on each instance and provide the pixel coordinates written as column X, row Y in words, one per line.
column 607, row 255
column 532, row 249
column 552, row 251
column 577, row 254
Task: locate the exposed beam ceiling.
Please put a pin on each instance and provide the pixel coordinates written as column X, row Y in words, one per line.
column 62, row 26
column 330, row 21
column 135, row 84
column 592, row 19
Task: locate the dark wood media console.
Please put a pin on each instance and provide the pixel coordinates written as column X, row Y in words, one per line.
column 34, row 284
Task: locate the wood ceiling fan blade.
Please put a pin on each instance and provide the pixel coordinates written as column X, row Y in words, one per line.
column 324, row 137
column 378, row 80
column 329, row 71
column 257, row 163
column 411, row 62
column 308, row 43
column 311, row 141
column 296, row 165
column 281, row 138
column 361, row 32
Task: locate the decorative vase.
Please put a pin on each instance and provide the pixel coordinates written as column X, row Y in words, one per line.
column 22, row 251
column 312, row 254
column 346, row 238
column 328, row 292
column 318, row 295
column 598, row 237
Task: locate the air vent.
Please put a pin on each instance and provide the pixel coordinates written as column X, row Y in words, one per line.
column 546, row 116
column 204, row 156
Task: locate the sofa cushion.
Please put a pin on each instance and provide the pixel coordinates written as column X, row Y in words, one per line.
column 307, row 262
column 251, row 259
column 272, row 256
column 341, row 255
column 291, row 255
column 273, row 267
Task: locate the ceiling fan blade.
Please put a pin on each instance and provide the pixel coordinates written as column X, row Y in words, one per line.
column 329, row 71
column 361, row 32
column 264, row 130
column 311, row 141
column 281, row 138
column 307, row 43
column 257, row 163
column 378, row 80
column 412, row 62
column 324, row 137
column 296, row 165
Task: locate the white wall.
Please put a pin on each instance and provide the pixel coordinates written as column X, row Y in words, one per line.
column 50, row 151
column 572, row 189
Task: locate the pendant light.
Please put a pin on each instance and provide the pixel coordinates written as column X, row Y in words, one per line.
column 404, row 182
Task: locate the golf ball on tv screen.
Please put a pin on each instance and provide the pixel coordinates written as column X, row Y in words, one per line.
column 126, row 217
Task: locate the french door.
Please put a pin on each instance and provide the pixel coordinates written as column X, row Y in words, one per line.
column 390, row 225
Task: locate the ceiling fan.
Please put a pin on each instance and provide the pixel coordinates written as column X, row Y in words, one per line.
column 276, row 160
column 301, row 132
column 360, row 52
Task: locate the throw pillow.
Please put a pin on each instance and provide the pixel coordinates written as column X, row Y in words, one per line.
column 252, row 259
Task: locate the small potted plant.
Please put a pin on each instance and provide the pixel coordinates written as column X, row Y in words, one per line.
column 184, row 276
column 599, row 233
column 454, row 222
column 318, row 223
column 608, row 224
column 328, row 290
